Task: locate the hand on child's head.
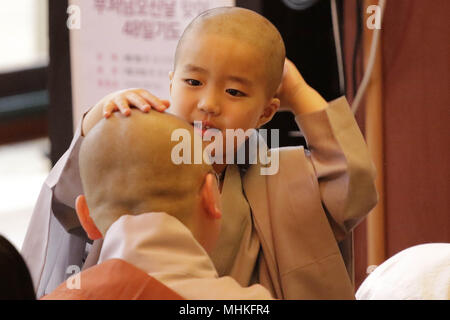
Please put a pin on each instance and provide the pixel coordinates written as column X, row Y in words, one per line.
column 139, row 98
column 122, row 101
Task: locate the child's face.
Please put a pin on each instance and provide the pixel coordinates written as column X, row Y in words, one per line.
column 220, row 81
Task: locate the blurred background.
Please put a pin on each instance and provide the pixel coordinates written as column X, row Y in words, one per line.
column 403, row 113
column 24, row 100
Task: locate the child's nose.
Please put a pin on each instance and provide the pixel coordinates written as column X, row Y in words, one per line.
column 209, row 104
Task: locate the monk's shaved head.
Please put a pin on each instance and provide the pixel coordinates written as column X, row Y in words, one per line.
column 243, row 25
column 126, row 168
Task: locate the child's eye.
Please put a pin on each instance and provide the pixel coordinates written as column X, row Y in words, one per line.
column 193, row 82
column 235, row 93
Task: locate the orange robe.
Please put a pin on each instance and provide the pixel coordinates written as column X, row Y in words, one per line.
column 114, row 279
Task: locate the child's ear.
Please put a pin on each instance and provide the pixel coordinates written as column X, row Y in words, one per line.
column 269, row 111
column 85, row 219
column 211, row 197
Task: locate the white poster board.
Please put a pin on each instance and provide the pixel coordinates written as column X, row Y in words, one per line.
column 119, row 44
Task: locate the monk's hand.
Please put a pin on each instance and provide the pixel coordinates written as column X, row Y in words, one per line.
column 295, row 94
column 292, row 84
column 122, row 101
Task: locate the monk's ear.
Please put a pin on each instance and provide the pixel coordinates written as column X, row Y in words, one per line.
column 85, row 219
column 211, row 197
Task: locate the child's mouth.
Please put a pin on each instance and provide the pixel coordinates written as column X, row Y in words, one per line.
column 205, row 130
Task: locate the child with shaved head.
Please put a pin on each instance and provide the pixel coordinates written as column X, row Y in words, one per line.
column 280, row 230
column 151, row 181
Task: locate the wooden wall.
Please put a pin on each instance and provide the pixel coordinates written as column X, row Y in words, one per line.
column 416, row 102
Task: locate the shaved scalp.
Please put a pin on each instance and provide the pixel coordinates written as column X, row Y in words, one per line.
column 244, row 25
column 126, row 168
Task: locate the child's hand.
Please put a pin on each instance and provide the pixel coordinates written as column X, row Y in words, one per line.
column 139, row 98
column 292, row 83
column 295, row 94
column 121, row 101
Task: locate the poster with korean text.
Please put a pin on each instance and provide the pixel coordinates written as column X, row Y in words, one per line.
column 119, row 44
